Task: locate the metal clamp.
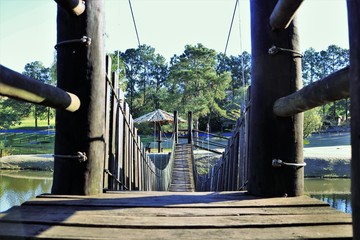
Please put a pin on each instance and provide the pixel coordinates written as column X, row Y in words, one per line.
column 86, row 40
column 80, row 156
column 280, row 163
column 274, row 50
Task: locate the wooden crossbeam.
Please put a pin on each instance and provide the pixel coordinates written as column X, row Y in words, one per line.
column 329, row 89
column 283, row 13
column 18, row 86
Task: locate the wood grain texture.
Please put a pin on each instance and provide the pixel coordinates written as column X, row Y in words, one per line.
column 173, row 215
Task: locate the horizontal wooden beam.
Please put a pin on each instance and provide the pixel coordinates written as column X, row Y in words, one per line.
column 284, row 13
column 18, row 86
column 329, row 89
column 75, row 6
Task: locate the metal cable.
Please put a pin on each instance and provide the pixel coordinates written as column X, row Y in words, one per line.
column 231, row 24
column 133, row 18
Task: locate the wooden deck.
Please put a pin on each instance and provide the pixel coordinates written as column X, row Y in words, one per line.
column 182, row 175
column 174, row 215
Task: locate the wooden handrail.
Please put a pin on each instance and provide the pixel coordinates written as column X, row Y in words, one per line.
column 329, row 89
column 18, row 86
column 284, row 13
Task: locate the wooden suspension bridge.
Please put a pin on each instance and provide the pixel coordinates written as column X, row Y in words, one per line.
column 114, row 189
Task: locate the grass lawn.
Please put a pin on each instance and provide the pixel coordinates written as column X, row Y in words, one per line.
column 26, row 139
column 29, row 123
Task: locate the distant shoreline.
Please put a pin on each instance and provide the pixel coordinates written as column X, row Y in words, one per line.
column 321, row 162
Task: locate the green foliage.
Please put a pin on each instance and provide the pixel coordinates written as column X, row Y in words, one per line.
column 37, row 71
column 12, row 111
column 312, row 122
column 317, row 65
column 194, row 85
column 146, row 73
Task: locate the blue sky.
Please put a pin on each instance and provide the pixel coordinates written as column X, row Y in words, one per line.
column 28, row 27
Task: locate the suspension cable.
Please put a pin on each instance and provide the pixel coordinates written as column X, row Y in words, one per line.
column 231, row 24
column 243, row 108
column 133, row 18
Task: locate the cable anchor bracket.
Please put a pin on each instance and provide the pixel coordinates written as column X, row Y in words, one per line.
column 81, row 156
column 85, row 40
column 279, row 163
column 275, row 50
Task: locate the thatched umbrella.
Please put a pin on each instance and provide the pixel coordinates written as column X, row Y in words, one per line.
column 160, row 117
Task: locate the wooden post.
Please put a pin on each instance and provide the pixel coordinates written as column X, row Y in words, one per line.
column 106, row 178
column 158, row 125
column 18, row 86
column 354, row 36
column 274, row 76
column 176, row 127
column 81, row 70
column 113, row 158
column 120, row 139
column 189, row 127
column 329, row 89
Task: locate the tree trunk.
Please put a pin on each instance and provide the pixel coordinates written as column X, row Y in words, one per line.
column 35, row 117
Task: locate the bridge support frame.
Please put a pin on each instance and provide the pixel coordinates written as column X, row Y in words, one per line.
column 274, row 76
column 354, row 36
column 81, row 70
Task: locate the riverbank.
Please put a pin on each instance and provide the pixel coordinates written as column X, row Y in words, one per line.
column 321, row 162
column 43, row 162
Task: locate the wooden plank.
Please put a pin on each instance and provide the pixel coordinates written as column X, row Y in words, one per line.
column 174, row 215
column 242, row 221
column 169, row 212
column 174, row 199
column 64, row 232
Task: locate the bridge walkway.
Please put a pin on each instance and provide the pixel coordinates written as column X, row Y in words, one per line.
column 182, row 175
column 174, row 215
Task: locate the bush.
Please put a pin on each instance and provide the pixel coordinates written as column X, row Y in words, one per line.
column 312, row 122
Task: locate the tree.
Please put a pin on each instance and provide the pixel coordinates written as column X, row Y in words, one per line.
column 12, row 111
column 312, row 122
column 317, row 65
column 194, row 85
column 36, row 70
column 146, row 73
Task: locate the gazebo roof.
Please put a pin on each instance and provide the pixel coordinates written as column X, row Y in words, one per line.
column 159, row 116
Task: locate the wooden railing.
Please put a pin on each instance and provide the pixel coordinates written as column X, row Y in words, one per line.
column 127, row 164
column 21, row 87
column 230, row 173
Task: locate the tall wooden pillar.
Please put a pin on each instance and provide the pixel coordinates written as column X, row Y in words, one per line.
column 354, row 37
column 81, row 70
column 274, row 74
column 190, row 127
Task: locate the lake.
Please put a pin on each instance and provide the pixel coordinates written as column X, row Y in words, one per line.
column 17, row 187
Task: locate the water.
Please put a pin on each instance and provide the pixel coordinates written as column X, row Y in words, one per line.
column 17, row 187
column 335, row 192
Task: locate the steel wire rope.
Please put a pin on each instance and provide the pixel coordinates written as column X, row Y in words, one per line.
column 243, row 108
column 231, row 24
column 128, row 125
column 134, row 22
